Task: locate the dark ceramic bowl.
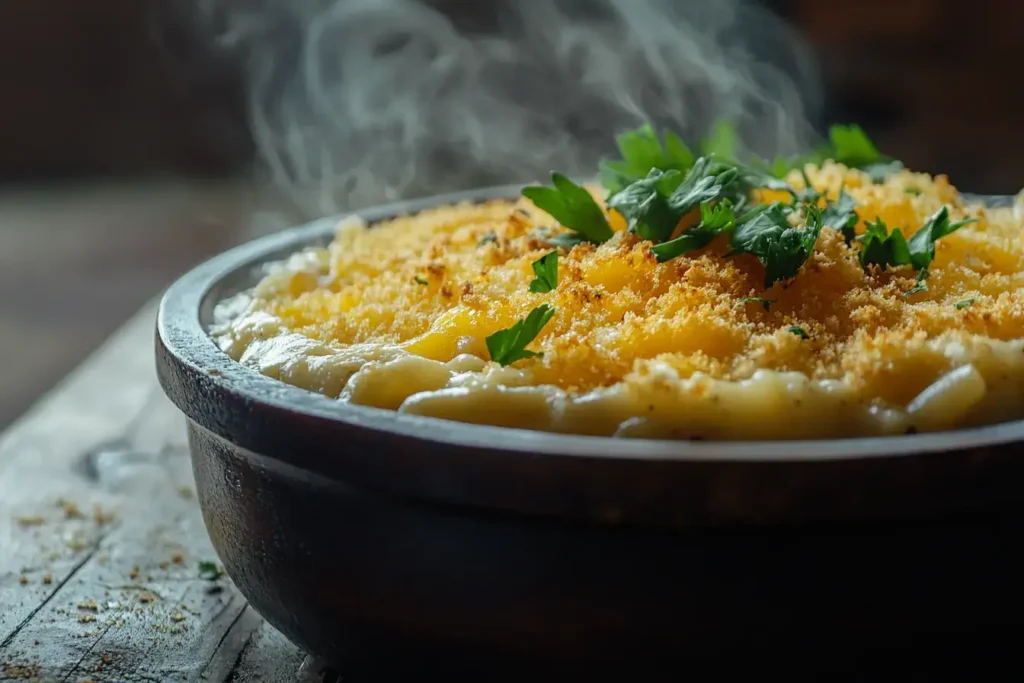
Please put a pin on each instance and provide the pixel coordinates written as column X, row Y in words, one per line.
column 396, row 545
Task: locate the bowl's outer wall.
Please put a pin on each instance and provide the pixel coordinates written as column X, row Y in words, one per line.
column 393, row 588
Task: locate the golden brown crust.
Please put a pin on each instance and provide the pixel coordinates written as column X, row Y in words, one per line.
column 440, row 282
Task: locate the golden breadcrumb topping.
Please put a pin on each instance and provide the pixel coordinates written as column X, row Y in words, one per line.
column 438, row 283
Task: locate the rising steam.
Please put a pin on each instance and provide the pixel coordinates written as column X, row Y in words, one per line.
column 354, row 102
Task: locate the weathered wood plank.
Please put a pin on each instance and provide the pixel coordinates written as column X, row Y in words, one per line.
column 269, row 656
column 100, row 536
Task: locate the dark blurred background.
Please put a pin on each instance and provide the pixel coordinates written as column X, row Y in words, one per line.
column 98, row 93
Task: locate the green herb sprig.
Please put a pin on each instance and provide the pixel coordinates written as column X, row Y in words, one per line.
column 546, row 270
column 781, row 248
column 883, row 248
column 509, row 345
column 798, row 331
column 965, row 303
column 210, row 571
column 659, row 179
column 642, row 150
column 654, row 206
column 572, row 206
column 766, row 303
column 715, row 218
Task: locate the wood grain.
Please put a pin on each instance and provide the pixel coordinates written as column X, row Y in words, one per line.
column 100, row 536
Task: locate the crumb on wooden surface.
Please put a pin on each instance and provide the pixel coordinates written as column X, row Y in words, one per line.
column 177, row 616
column 89, row 604
column 70, row 508
column 147, row 597
column 178, row 558
column 101, row 516
column 134, row 573
column 47, row 579
column 186, row 492
column 22, row 579
column 30, row 520
column 22, row 671
column 76, row 543
column 86, row 618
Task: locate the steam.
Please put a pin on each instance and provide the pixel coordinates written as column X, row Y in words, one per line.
column 356, row 102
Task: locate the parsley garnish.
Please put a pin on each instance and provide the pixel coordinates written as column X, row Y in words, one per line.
column 509, row 345
column 881, row 248
column 848, row 145
column 781, row 248
column 922, row 243
column 966, row 303
column 722, row 143
column 799, row 331
column 642, row 151
column 546, row 270
column 758, row 300
column 645, row 204
column 841, row 215
column 921, row 285
column 714, row 220
column 655, row 205
column 893, row 249
column 420, row 280
column 572, row 206
column 211, row 571
column 851, row 147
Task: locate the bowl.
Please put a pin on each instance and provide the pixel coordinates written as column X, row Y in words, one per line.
column 393, row 545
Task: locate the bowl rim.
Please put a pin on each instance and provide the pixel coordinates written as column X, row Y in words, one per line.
column 184, row 341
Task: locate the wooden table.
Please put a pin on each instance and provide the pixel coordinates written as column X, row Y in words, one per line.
column 101, row 536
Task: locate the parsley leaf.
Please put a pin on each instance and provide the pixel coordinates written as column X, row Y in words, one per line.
column 841, row 215
column 961, row 305
column 799, row 331
column 852, row 147
column 921, row 285
column 211, row 571
column 879, row 247
column 546, row 270
column 893, row 249
column 572, row 206
column 645, row 204
column 655, row 205
column 702, row 183
column 642, row 151
column 848, row 145
column 714, row 220
column 758, row 300
column 509, row 345
column 420, row 280
column 722, row 143
column 781, row 248
column 922, row 242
